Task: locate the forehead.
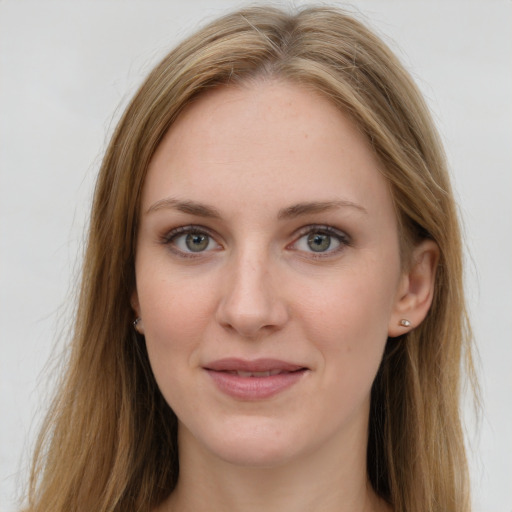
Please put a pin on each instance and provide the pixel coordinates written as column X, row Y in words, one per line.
column 265, row 143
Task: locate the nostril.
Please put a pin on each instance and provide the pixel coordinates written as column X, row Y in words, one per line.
column 250, row 323
column 250, row 304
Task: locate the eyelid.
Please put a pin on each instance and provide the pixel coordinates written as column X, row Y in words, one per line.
column 180, row 230
column 343, row 238
column 174, row 233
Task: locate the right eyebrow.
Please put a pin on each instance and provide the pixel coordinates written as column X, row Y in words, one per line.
column 190, row 207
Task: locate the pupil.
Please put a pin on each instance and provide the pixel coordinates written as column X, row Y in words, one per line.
column 197, row 242
column 318, row 242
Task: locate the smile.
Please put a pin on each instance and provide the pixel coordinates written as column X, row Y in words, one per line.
column 268, row 373
column 254, row 380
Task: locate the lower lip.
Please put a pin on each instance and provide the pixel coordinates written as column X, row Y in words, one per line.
column 254, row 388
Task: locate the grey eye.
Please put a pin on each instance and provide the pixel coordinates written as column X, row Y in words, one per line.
column 319, row 242
column 197, row 242
column 190, row 240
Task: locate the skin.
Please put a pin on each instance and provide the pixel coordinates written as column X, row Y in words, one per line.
column 250, row 155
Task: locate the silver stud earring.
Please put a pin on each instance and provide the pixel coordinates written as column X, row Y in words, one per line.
column 404, row 322
column 135, row 322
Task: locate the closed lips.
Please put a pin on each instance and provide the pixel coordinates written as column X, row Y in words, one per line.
column 255, row 368
column 254, row 380
column 267, row 373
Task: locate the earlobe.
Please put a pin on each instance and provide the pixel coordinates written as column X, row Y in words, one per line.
column 137, row 323
column 416, row 289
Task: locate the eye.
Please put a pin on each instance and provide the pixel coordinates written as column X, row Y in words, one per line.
column 321, row 240
column 187, row 240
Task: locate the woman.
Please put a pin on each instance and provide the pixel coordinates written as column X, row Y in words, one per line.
column 271, row 312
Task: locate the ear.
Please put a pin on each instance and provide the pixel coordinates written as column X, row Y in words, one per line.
column 416, row 289
column 134, row 302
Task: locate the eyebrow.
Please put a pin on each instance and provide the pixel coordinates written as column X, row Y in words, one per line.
column 191, row 207
column 317, row 207
column 296, row 210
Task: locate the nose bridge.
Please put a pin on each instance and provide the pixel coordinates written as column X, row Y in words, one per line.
column 250, row 302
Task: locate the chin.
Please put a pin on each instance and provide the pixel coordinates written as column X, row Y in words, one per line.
column 258, row 454
column 251, row 444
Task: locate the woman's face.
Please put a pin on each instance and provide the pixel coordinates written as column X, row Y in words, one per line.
column 267, row 273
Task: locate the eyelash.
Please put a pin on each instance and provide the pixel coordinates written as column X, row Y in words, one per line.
column 341, row 237
column 170, row 238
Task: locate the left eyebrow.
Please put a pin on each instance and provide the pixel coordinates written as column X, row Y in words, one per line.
column 317, row 207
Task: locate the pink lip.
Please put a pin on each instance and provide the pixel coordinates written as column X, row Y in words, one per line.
column 223, row 373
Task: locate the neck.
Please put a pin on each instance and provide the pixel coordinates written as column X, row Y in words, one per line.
column 323, row 480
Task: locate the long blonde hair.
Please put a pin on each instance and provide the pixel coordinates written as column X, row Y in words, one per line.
column 109, row 441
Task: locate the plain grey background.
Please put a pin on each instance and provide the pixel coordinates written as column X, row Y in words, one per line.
column 66, row 71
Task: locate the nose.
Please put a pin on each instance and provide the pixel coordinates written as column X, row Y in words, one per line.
column 251, row 304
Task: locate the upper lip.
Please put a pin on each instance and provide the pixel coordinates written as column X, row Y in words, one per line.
column 256, row 365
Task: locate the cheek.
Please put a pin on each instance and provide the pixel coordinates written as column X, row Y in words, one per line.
column 175, row 319
column 176, row 314
column 348, row 323
column 352, row 311
column 174, row 305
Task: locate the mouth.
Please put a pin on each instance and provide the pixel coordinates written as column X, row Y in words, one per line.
column 254, row 380
column 268, row 373
column 265, row 367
